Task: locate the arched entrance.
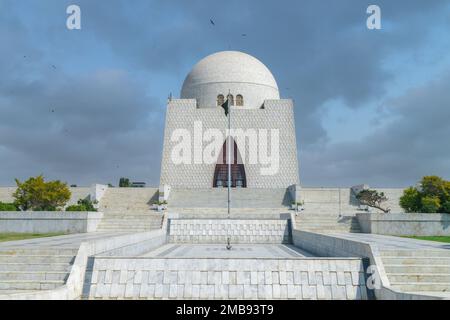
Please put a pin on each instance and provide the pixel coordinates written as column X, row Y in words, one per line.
column 238, row 178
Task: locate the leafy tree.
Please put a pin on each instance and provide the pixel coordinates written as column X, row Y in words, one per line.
column 373, row 198
column 38, row 195
column 124, row 183
column 431, row 196
column 430, row 204
column 445, row 207
column 436, row 187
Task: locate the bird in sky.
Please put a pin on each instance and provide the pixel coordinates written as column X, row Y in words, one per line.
column 212, row 22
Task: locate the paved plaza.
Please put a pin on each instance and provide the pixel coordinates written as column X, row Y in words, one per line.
column 255, row 251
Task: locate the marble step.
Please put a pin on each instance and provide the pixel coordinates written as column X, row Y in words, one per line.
column 38, row 251
column 131, row 221
column 321, row 218
column 436, row 294
column 30, row 285
column 217, row 197
column 419, row 278
column 422, row 286
column 417, row 269
column 35, row 259
column 127, row 215
column 33, row 276
column 8, row 292
column 326, row 228
column 416, row 260
column 332, row 231
column 132, row 218
column 415, row 253
column 54, row 267
column 125, row 229
column 319, row 224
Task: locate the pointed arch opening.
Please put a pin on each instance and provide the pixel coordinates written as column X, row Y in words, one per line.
column 220, row 100
column 238, row 178
column 239, row 100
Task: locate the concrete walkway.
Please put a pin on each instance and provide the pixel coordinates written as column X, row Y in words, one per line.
column 390, row 242
column 58, row 242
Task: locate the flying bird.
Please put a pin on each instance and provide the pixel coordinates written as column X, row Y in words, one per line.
column 53, row 66
column 244, row 34
column 212, row 22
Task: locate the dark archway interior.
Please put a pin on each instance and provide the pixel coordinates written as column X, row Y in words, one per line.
column 238, row 178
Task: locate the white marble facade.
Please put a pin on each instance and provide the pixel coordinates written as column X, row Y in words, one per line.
column 262, row 111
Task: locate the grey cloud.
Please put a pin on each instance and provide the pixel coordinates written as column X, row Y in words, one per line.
column 398, row 153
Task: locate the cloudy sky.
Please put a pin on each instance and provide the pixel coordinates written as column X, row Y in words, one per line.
column 85, row 106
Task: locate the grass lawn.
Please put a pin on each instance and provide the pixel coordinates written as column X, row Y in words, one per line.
column 22, row 236
column 445, row 239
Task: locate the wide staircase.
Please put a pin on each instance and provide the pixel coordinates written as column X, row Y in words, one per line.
column 28, row 270
column 328, row 210
column 129, row 210
column 326, row 223
column 244, row 202
column 424, row 272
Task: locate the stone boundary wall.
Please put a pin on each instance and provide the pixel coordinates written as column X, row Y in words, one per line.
column 218, row 231
column 405, row 224
column 328, row 245
column 343, row 200
column 74, row 285
column 49, row 221
column 203, row 278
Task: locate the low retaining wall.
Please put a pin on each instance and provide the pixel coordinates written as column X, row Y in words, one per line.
column 218, row 231
column 174, row 278
column 49, row 222
column 328, row 245
column 405, row 224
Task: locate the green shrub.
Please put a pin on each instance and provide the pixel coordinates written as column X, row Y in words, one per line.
column 124, row 183
column 8, row 207
column 83, row 205
column 76, row 207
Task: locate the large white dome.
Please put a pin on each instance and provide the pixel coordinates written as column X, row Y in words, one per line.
column 230, row 71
